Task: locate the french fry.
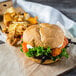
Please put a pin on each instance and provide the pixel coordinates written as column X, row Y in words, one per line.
column 7, row 19
column 33, row 20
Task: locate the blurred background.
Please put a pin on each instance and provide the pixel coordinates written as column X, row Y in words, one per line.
column 68, row 7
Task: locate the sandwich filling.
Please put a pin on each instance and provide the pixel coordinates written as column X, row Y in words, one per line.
column 45, row 53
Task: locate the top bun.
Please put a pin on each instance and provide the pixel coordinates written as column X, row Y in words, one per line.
column 44, row 35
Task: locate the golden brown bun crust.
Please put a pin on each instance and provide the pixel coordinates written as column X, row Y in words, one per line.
column 45, row 35
column 48, row 61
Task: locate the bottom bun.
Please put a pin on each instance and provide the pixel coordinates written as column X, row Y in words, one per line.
column 48, row 61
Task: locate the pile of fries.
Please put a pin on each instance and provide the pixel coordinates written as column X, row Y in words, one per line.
column 15, row 24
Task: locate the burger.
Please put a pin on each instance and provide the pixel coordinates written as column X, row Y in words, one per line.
column 44, row 43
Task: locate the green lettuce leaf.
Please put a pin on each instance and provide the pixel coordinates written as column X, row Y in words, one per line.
column 38, row 51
